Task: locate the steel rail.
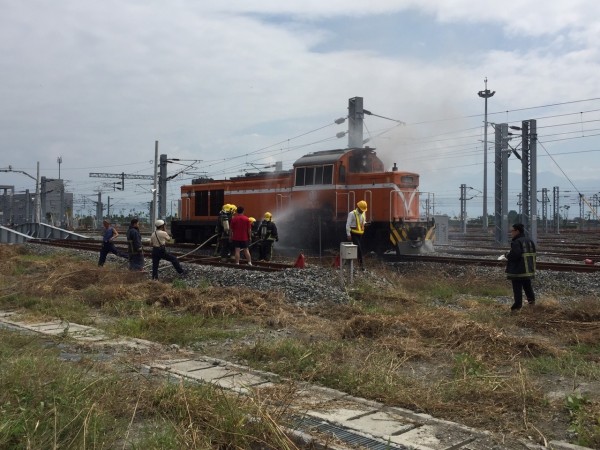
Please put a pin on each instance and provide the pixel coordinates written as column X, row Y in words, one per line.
column 558, row 267
column 183, row 257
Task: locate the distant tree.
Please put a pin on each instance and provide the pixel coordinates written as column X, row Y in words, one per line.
column 513, row 217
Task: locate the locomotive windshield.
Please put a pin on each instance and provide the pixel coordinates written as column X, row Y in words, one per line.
column 308, row 176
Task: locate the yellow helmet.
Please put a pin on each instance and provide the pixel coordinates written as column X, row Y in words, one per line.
column 362, row 205
column 268, row 215
column 225, row 207
column 232, row 208
column 251, row 219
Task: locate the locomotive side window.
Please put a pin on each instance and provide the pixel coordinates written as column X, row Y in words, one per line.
column 342, row 174
column 208, row 203
column 308, row 176
column 328, row 174
column 309, row 179
column 300, row 176
column 406, row 179
column 319, row 175
column 217, row 199
column 201, row 203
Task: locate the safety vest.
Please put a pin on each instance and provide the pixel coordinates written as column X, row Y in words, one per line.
column 359, row 229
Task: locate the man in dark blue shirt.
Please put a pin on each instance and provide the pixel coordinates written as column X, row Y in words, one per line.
column 107, row 243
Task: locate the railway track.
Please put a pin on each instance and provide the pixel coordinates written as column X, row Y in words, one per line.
column 558, row 267
column 491, row 251
column 193, row 256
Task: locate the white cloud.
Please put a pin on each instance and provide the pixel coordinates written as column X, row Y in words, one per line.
column 98, row 83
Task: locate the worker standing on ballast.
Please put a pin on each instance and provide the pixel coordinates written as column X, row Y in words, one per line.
column 267, row 233
column 355, row 228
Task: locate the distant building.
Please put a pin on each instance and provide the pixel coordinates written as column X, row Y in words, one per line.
column 56, row 205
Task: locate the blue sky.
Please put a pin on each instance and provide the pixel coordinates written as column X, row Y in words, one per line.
column 234, row 84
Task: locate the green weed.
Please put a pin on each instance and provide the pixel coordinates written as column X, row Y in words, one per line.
column 585, row 419
column 173, row 329
column 572, row 365
column 466, row 366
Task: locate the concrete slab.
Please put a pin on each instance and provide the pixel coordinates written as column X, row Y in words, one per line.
column 124, row 342
column 208, row 375
column 381, row 424
column 45, row 326
column 50, row 331
column 240, row 381
column 310, row 397
column 50, row 328
column 189, row 365
column 89, row 337
column 339, row 415
column 431, row 437
column 166, row 362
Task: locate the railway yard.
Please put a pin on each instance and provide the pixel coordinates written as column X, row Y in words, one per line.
column 429, row 334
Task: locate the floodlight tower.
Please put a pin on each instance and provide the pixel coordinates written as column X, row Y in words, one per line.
column 485, row 94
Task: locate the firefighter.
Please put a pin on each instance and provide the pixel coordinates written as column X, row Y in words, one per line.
column 355, row 228
column 267, row 234
column 254, row 228
column 223, row 248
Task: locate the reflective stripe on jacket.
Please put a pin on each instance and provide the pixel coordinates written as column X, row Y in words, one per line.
column 521, row 259
column 359, row 227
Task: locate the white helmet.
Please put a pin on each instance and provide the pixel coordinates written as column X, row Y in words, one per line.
column 159, row 223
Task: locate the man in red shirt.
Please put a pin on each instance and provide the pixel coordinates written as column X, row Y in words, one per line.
column 241, row 233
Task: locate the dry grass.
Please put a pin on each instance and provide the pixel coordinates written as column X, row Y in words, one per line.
column 443, row 346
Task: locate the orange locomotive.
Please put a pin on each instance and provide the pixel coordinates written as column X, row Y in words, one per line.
column 311, row 203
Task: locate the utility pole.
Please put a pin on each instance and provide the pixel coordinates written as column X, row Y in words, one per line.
column 545, row 201
column 155, row 189
column 162, row 191
column 485, row 94
column 556, row 208
column 463, row 207
column 501, row 183
column 99, row 208
column 529, row 176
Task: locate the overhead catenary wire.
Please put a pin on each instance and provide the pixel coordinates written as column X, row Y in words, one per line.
column 453, row 149
column 581, row 196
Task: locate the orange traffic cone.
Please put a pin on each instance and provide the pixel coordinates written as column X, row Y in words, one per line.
column 300, row 261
